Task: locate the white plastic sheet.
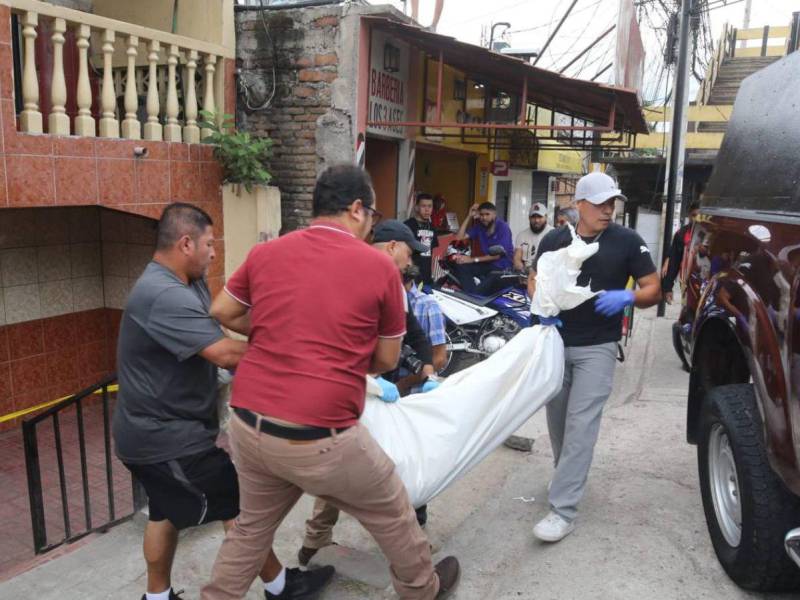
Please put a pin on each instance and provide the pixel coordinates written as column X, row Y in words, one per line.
column 435, row 438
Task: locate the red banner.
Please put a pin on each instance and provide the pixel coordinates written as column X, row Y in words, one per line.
column 629, row 58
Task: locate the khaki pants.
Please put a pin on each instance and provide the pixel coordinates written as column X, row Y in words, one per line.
column 319, row 528
column 349, row 471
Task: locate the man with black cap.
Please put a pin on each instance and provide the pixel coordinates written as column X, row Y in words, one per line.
column 397, row 240
column 590, row 333
column 527, row 240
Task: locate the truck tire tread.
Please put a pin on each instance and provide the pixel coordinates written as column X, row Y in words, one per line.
column 760, row 562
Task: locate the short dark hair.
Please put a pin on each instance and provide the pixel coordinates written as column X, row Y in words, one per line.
column 694, row 206
column 487, row 206
column 423, row 196
column 179, row 219
column 338, row 187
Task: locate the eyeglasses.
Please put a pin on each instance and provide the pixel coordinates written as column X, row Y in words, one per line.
column 376, row 215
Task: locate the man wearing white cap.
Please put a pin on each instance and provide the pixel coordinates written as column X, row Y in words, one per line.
column 527, row 240
column 590, row 333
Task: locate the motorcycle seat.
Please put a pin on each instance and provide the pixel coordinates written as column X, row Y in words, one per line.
column 478, row 300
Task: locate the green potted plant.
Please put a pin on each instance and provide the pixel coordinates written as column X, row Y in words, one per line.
column 251, row 208
column 243, row 157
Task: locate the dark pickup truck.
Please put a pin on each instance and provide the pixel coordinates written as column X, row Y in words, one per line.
column 739, row 334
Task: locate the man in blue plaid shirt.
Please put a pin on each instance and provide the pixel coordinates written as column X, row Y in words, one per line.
column 430, row 317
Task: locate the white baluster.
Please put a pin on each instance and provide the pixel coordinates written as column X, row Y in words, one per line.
column 191, row 132
column 109, row 126
column 31, row 118
column 58, row 121
column 172, row 130
column 119, row 89
column 84, row 122
column 131, row 128
column 219, row 90
column 152, row 129
column 208, row 91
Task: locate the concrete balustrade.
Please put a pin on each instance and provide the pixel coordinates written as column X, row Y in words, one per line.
column 159, row 76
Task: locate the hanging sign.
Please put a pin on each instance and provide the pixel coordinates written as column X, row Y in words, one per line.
column 500, row 168
column 388, row 84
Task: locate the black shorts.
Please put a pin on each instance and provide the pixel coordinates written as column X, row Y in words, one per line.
column 191, row 490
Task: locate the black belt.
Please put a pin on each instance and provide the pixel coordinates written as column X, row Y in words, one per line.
column 288, row 433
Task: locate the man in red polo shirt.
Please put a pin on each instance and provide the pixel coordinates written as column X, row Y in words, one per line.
column 321, row 309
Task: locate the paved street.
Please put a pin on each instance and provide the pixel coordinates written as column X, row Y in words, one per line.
column 641, row 532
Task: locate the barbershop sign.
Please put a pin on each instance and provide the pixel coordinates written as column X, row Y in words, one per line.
column 388, row 84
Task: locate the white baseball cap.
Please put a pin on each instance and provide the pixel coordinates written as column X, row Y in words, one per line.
column 538, row 209
column 597, row 188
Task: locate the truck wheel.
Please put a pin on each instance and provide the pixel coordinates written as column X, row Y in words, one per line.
column 747, row 507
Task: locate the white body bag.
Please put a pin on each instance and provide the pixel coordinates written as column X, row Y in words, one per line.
column 436, row 437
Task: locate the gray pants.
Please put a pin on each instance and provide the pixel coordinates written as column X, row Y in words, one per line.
column 573, row 420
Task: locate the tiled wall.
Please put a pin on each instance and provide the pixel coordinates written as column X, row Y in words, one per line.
column 49, row 358
column 50, row 171
column 65, row 274
column 127, row 246
column 50, row 263
column 63, row 260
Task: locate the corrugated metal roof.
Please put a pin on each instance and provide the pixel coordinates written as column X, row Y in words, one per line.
column 586, row 100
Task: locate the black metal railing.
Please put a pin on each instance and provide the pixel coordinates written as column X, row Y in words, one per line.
column 33, row 464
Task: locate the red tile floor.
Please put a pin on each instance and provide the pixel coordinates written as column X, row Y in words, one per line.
column 16, row 538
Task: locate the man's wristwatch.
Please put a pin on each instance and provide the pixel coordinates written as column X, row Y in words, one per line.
column 475, row 260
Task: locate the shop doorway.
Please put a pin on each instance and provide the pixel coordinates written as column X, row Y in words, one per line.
column 381, row 162
column 512, row 197
column 450, row 174
column 502, row 193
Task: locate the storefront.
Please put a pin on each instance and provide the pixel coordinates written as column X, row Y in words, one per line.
column 447, row 118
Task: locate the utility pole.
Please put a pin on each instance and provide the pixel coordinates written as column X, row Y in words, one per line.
column 677, row 148
column 746, row 24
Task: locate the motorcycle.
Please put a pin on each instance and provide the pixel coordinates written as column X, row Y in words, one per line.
column 478, row 326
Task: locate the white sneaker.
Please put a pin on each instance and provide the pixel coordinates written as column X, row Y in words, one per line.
column 553, row 528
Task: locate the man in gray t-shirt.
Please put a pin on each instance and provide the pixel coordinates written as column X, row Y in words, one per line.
column 165, row 420
column 167, row 390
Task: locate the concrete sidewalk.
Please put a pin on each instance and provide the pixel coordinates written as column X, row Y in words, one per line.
column 641, row 531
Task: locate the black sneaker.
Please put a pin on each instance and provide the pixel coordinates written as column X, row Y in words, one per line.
column 422, row 515
column 303, row 585
column 173, row 595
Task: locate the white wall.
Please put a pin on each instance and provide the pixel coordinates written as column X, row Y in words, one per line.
column 648, row 225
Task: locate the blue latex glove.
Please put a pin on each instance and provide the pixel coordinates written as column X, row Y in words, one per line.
column 389, row 391
column 613, row 302
column 430, row 385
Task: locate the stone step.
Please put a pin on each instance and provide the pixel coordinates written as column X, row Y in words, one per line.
column 712, row 127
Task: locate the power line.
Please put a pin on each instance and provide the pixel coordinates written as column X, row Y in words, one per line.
column 555, row 31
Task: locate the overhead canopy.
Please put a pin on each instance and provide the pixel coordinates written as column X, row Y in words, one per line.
column 585, row 100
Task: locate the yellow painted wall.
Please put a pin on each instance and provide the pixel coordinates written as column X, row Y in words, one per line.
column 705, row 141
column 447, row 174
column 207, row 20
column 447, row 171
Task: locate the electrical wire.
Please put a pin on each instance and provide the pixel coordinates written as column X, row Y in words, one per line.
column 245, row 85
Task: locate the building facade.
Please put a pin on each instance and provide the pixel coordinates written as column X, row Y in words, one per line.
column 99, row 133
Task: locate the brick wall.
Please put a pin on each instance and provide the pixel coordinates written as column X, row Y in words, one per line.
column 309, row 126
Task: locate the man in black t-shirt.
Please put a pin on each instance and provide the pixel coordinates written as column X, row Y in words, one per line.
column 422, row 228
column 590, row 333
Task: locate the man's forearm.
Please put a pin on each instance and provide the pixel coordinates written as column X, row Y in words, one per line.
column 462, row 231
column 240, row 324
column 647, row 296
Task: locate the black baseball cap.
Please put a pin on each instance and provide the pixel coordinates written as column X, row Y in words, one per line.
column 392, row 230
